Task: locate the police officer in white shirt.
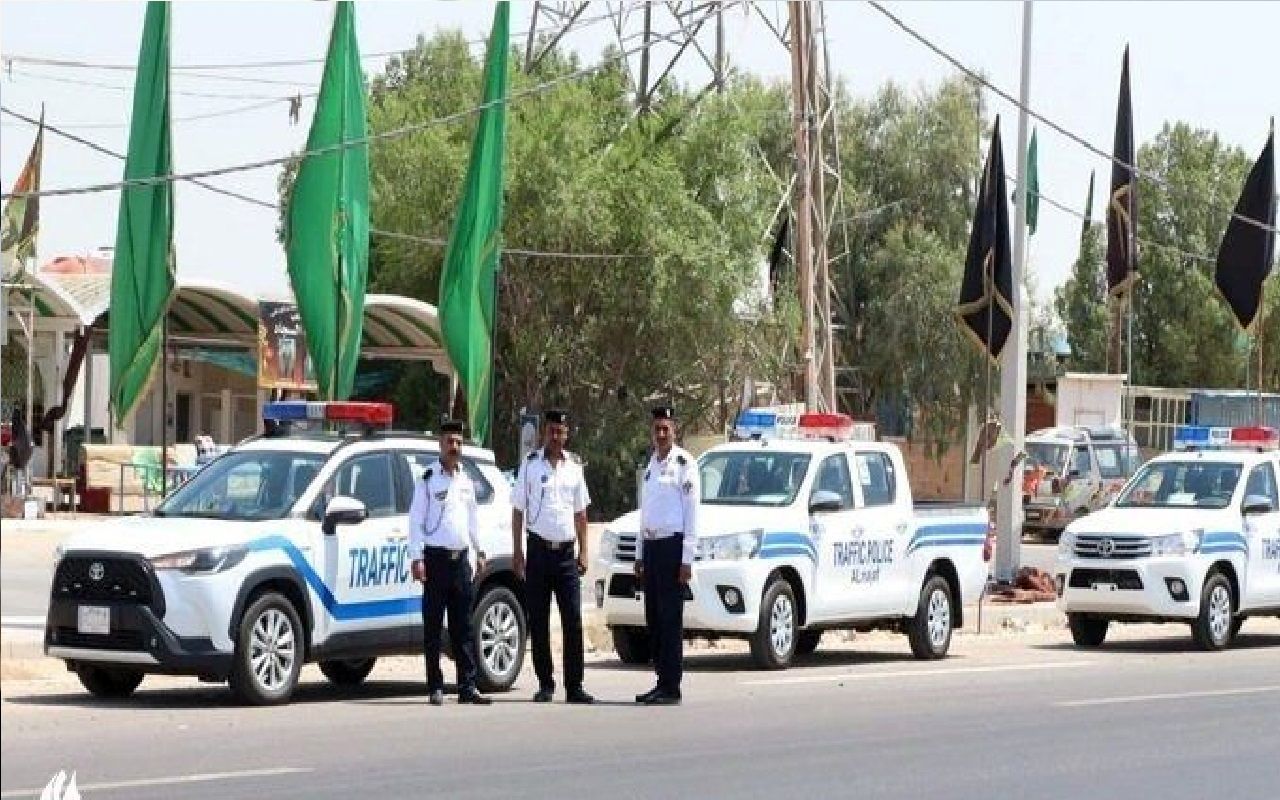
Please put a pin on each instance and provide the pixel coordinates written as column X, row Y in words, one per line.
column 443, row 522
column 664, row 552
column 549, row 504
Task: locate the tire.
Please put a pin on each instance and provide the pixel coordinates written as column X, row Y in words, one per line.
column 773, row 644
column 807, row 642
column 929, row 631
column 632, row 645
column 347, row 671
column 1087, row 631
column 108, row 682
column 1213, row 628
column 500, row 633
column 270, row 634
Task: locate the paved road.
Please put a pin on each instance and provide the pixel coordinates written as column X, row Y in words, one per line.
column 1011, row 716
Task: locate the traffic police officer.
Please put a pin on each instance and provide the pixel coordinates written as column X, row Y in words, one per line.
column 549, row 503
column 665, row 550
column 443, row 521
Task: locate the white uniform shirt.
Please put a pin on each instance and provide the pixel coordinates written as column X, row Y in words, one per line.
column 549, row 496
column 669, row 501
column 444, row 512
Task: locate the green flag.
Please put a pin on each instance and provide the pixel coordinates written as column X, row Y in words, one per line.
column 21, row 218
column 1088, row 210
column 142, row 283
column 1033, row 186
column 468, row 280
column 327, row 233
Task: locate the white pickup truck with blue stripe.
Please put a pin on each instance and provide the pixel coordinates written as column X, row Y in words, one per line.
column 1194, row 537
column 288, row 549
column 799, row 537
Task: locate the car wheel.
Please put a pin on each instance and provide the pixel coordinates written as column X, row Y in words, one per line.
column 1213, row 628
column 498, row 626
column 269, row 651
column 631, row 644
column 110, row 682
column 929, row 631
column 347, row 671
column 774, row 642
column 1087, row 631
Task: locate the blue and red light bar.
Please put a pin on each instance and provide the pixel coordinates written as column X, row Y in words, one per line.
column 1204, row 437
column 358, row 413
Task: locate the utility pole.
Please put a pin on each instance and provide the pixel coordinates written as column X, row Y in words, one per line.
column 798, row 14
column 1013, row 363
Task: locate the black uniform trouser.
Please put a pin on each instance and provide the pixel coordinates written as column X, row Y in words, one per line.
column 448, row 587
column 551, row 570
column 664, row 608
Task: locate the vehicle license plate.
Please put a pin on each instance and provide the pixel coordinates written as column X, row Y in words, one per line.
column 94, row 619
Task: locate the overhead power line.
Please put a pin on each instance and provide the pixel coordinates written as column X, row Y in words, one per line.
column 394, row 133
column 1080, row 140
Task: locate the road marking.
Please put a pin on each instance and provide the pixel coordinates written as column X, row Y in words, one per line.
column 1142, row 698
column 917, row 673
column 169, row 781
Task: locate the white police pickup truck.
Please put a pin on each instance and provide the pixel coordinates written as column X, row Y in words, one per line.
column 287, row 549
column 800, row 537
column 1193, row 537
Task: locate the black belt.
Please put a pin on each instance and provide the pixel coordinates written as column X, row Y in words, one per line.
column 547, row 544
column 452, row 555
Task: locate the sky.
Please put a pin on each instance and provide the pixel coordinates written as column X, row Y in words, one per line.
column 1212, row 64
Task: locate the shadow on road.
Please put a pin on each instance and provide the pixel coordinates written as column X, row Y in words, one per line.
column 219, row 696
column 703, row 662
column 1178, row 646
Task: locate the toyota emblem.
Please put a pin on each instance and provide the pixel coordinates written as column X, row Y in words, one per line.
column 97, row 571
column 1106, row 547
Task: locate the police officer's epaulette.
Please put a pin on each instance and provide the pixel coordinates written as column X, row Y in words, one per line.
column 426, row 476
column 573, row 457
column 533, row 454
column 681, row 460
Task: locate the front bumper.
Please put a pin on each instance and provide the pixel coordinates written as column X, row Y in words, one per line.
column 1045, row 517
column 710, row 597
column 1144, row 588
column 136, row 638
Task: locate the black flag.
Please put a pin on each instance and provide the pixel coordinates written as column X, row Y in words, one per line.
column 1244, row 259
column 778, row 253
column 1122, row 203
column 985, row 308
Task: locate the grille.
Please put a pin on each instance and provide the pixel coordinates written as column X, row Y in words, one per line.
column 1121, row 546
column 116, row 640
column 1126, row 579
column 121, row 580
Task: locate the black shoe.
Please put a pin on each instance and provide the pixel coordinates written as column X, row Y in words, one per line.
column 435, row 697
column 544, row 695
column 474, row 698
column 664, row 698
column 578, row 697
column 649, row 695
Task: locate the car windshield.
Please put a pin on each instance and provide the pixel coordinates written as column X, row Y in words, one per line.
column 752, row 477
column 1181, row 484
column 245, row 485
column 1117, row 460
column 1052, row 457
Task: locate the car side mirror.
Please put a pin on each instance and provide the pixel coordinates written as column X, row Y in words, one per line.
column 343, row 511
column 824, row 502
column 1257, row 504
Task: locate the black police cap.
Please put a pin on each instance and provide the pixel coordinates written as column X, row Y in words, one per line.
column 664, row 412
column 557, row 416
column 451, row 426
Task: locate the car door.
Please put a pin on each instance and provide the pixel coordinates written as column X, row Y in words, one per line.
column 837, row 534
column 366, row 565
column 885, row 532
column 1262, row 532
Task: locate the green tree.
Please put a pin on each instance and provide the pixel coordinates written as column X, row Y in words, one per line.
column 1081, row 304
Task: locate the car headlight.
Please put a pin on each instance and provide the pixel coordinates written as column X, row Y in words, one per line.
column 731, row 546
column 1176, row 544
column 608, row 545
column 202, row 561
column 1066, row 543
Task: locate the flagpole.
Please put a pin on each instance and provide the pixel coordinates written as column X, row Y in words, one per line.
column 164, row 405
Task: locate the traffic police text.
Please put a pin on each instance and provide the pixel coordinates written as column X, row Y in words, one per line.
column 379, row 566
column 864, row 557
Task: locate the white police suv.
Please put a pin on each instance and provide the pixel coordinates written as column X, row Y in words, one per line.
column 803, row 536
column 289, row 548
column 1193, row 537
